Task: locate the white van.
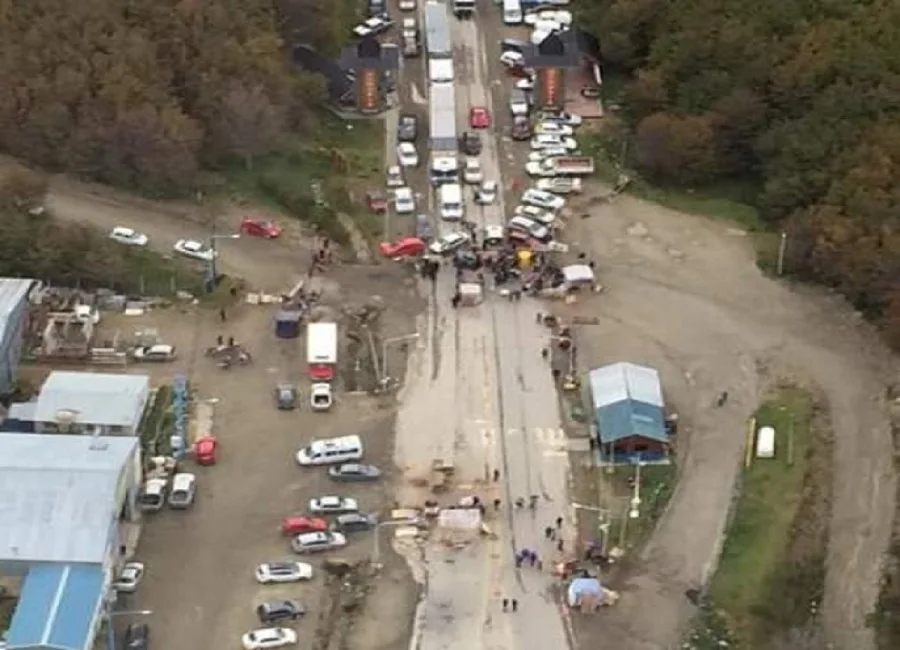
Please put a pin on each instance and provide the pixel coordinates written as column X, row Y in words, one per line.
column 153, row 496
column 440, row 70
column 450, row 202
column 184, row 487
column 331, row 450
column 512, row 12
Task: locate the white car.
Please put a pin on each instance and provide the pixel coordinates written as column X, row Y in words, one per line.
column 375, row 25
column 410, row 25
column 526, row 84
column 406, row 5
column 529, row 227
column 320, row 397
column 274, row 572
column 571, row 119
column 546, row 141
column 128, row 236
column 269, row 637
column 197, row 250
column 512, row 59
column 395, row 176
column 487, row 193
column 542, row 199
column 317, row 542
column 472, row 173
column 407, row 155
column 184, row 489
column 333, row 504
column 559, row 16
column 494, row 234
column 449, row 243
column 129, row 578
column 535, row 214
column 553, row 128
column 551, row 152
column 404, row 201
column 538, row 36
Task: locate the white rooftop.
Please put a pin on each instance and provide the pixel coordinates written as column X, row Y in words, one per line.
column 97, row 398
column 57, row 495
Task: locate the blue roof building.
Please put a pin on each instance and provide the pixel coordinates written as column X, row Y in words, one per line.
column 629, row 412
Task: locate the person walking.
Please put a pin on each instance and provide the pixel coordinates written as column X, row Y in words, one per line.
column 496, row 504
column 222, row 315
column 515, row 605
column 505, row 604
column 560, row 545
column 559, row 522
column 496, row 475
column 548, row 532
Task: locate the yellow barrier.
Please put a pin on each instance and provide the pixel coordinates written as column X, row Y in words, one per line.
column 748, row 453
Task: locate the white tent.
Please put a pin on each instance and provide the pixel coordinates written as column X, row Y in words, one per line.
column 578, row 274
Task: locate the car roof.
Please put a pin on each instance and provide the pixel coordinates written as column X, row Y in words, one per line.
column 183, row 481
column 304, row 538
column 122, row 230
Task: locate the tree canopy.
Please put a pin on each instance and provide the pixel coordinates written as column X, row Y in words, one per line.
column 802, row 97
column 145, row 93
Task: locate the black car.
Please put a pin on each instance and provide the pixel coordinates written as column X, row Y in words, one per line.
column 137, row 637
column 354, row 522
column 408, row 128
column 521, row 128
column 377, row 7
column 470, row 143
column 279, row 610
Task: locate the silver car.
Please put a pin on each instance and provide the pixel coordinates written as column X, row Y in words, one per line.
column 354, row 472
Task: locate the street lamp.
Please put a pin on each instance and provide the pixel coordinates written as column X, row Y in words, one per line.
column 212, row 258
column 634, row 511
column 384, row 345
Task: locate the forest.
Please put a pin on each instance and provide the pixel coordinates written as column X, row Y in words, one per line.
column 147, row 94
column 798, row 99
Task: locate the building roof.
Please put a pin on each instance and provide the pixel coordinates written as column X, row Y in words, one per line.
column 57, row 495
column 97, row 398
column 338, row 82
column 12, row 292
column 57, row 607
column 628, row 402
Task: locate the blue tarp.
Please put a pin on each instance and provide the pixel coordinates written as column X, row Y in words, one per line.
column 580, row 587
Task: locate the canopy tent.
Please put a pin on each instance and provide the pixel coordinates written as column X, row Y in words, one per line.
column 578, row 274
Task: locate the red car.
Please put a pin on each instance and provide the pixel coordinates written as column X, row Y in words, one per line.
column 205, row 450
column 406, row 247
column 260, row 228
column 479, row 117
column 376, row 202
column 301, row 525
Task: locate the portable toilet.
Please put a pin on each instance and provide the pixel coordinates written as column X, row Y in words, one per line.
column 765, row 442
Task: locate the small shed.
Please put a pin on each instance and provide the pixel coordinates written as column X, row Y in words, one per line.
column 578, row 275
column 287, row 323
column 765, row 442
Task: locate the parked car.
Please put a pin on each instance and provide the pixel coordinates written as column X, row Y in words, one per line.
column 276, row 611
column 129, row 578
column 535, row 214
column 373, row 26
column 128, row 236
column 206, row 450
column 407, row 5
column 260, row 228
column 545, row 14
column 512, row 59
column 195, row 249
column 405, row 247
column 158, row 352
column 320, row 396
column 550, row 127
column 333, row 505
column 519, row 105
column 546, row 141
column 472, row 173
column 317, row 542
column 275, row 572
column 411, row 46
column 404, row 201
column 269, row 637
column 299, row 525
column 354, row 472
column 448, row 243
column 550, row 152
column 355, row 523
column 486, row 193
column 408, row 128
column 571, row 119
column 376, row 202
column 424, row 230
column 543, row 199
column 526, row 84
column 153, row 495
column 494, row 235
column 521, row 128
column 184, row 488
column 285, row 397
column 407, row 155
column 531, row 228
column 479, row 117
column 395, row 176
column 137, row 637
column 470, row 143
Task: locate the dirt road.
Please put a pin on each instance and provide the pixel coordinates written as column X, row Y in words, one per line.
column 684, row 295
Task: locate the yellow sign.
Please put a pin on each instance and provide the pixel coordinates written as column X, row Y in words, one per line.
column 551, row 80
column 367, row 91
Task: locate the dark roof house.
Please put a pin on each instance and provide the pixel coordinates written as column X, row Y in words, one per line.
column 337, row 80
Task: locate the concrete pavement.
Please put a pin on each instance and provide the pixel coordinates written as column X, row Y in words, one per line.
column 479, row 395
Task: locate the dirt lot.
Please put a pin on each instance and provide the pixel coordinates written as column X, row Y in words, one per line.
column 683, row 295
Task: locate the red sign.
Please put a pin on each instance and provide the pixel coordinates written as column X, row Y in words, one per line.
column 551, row 87
column 367, row 91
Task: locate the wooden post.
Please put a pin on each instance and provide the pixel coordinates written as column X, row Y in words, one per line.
column 791, row 441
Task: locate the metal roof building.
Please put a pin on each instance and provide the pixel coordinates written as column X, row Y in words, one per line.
column 97, row 399
column 14, row 294
column 60, row 496
column 629, row 409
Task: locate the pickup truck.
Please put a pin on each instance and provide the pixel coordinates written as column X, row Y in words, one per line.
column 561, row 166
column 560, row 185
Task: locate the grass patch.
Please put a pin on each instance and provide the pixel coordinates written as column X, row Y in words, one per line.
column 315, row 179
column 771, row 573
column 657, row 484
column 151, row 274
column 885, row 620
column 153, row 427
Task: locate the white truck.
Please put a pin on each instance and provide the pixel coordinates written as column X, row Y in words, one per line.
column 438, row 42
column 561, row 166
column 560, row 185
column 321, row 351
column 444, row 166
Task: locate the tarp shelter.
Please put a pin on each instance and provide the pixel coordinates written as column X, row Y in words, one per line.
column 581, row 587
column 629, row 413
column 287, row 324
column 578, row 275
column 470, row 294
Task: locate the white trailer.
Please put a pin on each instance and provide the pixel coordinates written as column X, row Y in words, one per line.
column 437, row 31
column 322, row 351
column 444, row 166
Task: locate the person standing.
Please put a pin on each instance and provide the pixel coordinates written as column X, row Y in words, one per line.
column 515, row 605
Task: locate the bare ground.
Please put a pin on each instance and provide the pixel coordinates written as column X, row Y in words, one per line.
column 683, row 294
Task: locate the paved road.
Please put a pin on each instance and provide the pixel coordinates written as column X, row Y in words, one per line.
column 479, row 395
